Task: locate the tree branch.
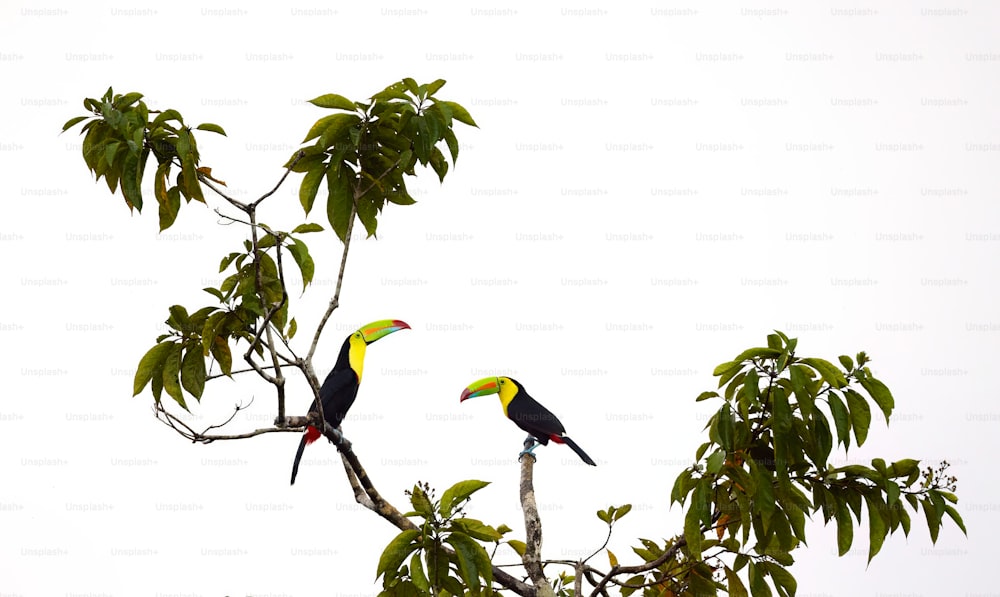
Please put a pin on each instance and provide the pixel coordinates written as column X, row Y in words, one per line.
column 532, row 526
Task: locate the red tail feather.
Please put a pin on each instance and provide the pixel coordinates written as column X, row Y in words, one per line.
column 312, row 434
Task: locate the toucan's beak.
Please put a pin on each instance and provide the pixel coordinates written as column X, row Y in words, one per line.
column 382, row 328
column 486, row 385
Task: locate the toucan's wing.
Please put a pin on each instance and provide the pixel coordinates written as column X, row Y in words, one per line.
column 337, row 393
column 534, row 418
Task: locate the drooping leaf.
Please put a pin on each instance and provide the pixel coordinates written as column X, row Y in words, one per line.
column 880, row 394
column 878, row 526
column 171, row 374
column 222, row 355
column 305, row 262
column 861, row 415
column 152, row 360
column 465, row 549
column 339, row 203
column 841, row 419
column 193, row 370
column 845, row 526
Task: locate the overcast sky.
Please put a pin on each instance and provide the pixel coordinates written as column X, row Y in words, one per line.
column 652, row 189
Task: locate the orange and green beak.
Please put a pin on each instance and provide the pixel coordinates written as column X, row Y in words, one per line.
column 483, row 387
column 380, row 329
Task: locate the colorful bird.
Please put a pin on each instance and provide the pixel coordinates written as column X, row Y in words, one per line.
column 526, row 413
column 340, row 388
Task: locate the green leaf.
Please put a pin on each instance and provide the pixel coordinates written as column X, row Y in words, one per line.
column 333, row 101
column 933, row 519
column 222, row 355
column 417, row 573
column 476, row 529
column 335, row 134
column 735, row 585
column 305, row 228
column 605, row 516
column 904, row 467
column 880, row 394
column 519, row 546
column 878, row 527
column 758, row 586
column 293, row 326
column 465, row 549
column 127, row 100
column 861, row 415
column 840, row 418
column 845, row 526
column 302, row 258
column 783, row 579
column 171, row 374
column 421, row 503
column 724, row 367
column 692, row 531
column 460, row 114
column 310, row 185
column 396, row 552
column 368, row 214
column 763, row 494
column 339, row 203
column 452, row 141
column 131, row 181
column 193, row 370
column 757, row 353
column 953, row 513
column 432, row 88
column 212, row 128
column 714, row 464
column 706, row 396
column 801, row 383
column 151, row 361
column 846, row 362
column 458, row 493
column 73, row 122
column 827, row 370
column 622, row 511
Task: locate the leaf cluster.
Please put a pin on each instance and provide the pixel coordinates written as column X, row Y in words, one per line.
column 765, row 467
column 363, row 151
column 178, row 359
column 120, row 137
column 445, row 555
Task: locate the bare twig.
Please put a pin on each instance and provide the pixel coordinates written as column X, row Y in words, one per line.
column 335, row 301
column 202, row 437
column 298, row 156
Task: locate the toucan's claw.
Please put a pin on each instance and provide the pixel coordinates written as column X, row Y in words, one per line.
column 530, row 443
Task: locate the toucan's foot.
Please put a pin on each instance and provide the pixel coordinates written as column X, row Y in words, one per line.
column 530, row 443
column 342, row 442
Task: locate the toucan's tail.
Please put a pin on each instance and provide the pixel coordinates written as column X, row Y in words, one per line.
column 298, row 457
column 579, row 451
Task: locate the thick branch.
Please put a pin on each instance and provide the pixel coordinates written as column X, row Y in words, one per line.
column 532, row 526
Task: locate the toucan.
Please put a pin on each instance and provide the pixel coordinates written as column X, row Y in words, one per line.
column 341, row 385
column 526, row 413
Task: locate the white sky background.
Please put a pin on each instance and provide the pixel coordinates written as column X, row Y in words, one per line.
column 653, row 189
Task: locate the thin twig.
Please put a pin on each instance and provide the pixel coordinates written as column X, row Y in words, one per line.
column 298, row 156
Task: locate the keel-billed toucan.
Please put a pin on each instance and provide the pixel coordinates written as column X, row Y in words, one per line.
column 341, row 386
column 525, row 412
